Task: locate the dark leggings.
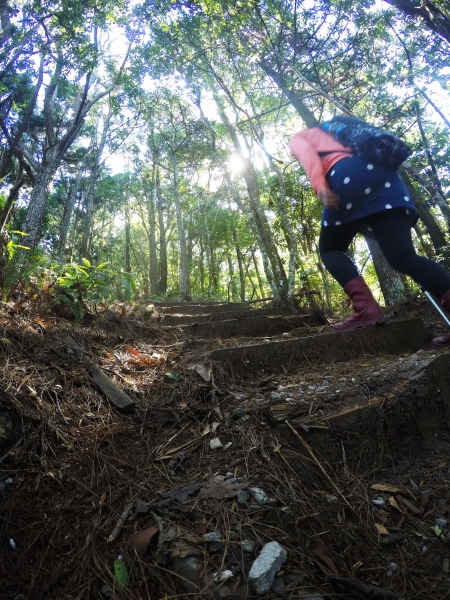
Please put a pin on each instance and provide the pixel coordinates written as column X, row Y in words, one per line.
column 392, row 231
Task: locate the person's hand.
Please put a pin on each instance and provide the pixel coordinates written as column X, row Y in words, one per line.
column 328, row 198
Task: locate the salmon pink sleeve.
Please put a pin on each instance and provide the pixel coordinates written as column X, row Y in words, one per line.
column 307, row 156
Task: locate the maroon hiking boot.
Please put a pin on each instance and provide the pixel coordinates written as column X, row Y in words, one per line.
column 443, row 340
column 367, row 310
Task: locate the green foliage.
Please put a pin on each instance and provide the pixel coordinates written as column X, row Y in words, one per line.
column 15, row 272
column 76, row 285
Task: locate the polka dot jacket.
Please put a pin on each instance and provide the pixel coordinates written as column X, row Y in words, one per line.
column 365, row 189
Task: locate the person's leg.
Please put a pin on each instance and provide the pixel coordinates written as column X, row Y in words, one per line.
column 333, row 243
column 393, row 233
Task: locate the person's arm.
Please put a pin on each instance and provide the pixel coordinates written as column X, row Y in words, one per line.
column 307, row 156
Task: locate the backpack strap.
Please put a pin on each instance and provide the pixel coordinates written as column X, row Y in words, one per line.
column 334, row 152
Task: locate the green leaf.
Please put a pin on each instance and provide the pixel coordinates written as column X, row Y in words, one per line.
column 121, row 573
column 86, row 262
column 174, row 376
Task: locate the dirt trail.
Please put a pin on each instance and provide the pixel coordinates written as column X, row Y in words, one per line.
column 250, row 425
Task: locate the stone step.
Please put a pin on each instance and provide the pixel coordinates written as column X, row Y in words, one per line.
column 202, row 308
column 175, row 320
column 251, row 327
column 290, row 355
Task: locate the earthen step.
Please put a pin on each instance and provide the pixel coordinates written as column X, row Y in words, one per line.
column 288, row 356
column 251, row 327
column 170, row 303
column 398, row 424
column 238, row 314
column 199, row 309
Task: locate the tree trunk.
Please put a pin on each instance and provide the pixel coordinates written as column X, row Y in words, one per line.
column 279, row 279
column 68, row 210
column 391, row 284
column 12, row 196
column 426, row 11
column 232, row 287
column 127, row 245
column 431, row 225
column 289, row 231
column 162, row 284
column 152, row 235
column 32, row 224
column 240, row 265
column 292, row 95
column 89, row 205
column 201, row 269
column 434, row 194
column 258, row 275
column 183, row 273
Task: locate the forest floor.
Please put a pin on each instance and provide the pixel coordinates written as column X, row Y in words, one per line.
column 344, row 462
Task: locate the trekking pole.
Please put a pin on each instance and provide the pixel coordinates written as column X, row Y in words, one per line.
column 435, row 304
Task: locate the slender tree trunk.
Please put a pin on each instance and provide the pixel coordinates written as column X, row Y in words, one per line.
column 127, row 242
column 279, row 279
column 432, row 191
column 162, row 284
column 12, row 197
column 258, row 274
column 232, row 287
column 289, row 231
column 152, row 235
column 89, row 205
column 431, row 225
column 68, row 210
column 294, row 96
column 240, row 265
column 252, row 283
column 250, row 216
column 201, row 269
column 183, row 272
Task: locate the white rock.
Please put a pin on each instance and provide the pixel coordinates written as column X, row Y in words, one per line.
column 248, row 545
column 266, row 566
column 215, row 444
column 223, row 575
column 260, row 496
column 213, row 536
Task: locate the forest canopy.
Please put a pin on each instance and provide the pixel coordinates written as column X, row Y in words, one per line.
column 145, row 145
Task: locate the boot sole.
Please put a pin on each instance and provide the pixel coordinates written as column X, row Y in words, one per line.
column 361, row 324
column 444, row 345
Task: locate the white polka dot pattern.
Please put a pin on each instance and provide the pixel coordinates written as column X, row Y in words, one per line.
column 406, row 199
column 370, row 167
column 325, row 223
column 367, row 191
column 332, row 173
column 387, row 184
column 388, row 206
column 348, row 206
column 338, row 222
column 347, row 180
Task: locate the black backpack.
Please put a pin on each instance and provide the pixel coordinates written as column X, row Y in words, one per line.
column 367, row 141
